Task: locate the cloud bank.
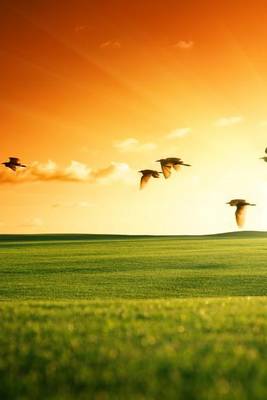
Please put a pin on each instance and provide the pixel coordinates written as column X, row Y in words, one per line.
column 74, row 172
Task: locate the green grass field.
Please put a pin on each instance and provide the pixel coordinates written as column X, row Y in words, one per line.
column 116, row 317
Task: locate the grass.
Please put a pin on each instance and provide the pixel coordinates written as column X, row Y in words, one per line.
column 92, row 317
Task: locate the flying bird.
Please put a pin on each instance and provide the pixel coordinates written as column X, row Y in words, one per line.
column 241, row 206
column 171, row 162
column 13, row 163
column 146, row 175
column 265, row 157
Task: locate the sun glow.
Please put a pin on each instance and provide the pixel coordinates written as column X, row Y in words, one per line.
column 103, row 101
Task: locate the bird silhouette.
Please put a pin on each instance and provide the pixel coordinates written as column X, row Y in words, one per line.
column 241, row 206
column 265, row 157
column 146, row 175
column 13, row 163
column 171, row 162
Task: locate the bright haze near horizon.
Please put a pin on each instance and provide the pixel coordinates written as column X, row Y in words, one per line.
column 92, row 92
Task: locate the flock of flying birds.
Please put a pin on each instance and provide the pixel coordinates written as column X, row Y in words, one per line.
column 170, row 163
column 167, row 165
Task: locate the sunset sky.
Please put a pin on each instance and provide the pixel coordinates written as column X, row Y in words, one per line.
column 93, row 91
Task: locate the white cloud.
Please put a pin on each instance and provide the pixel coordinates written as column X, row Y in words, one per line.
column 134, row 145
column 111, row 44
column 114, row 173
column 184, row 44
column 228, row 121
column 178, row 133
column 127, row 144
column 74, row 172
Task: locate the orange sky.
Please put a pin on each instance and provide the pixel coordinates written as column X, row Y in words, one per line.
column 80, row 78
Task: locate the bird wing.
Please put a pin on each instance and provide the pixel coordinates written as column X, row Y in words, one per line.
column 11, row 166
column 237, row 202
column 240, row 216
column 177, row 167
column 145, row 178
column 13, row 160
column 166, row 169
column 173, row 159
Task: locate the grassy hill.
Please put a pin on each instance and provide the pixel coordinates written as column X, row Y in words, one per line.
column 116, row 317
column 133, row 268
column 88, row 236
